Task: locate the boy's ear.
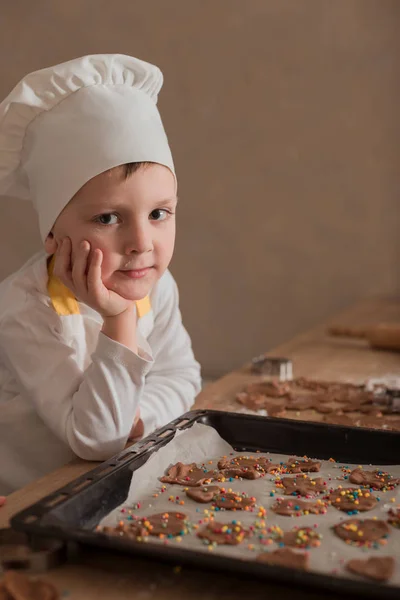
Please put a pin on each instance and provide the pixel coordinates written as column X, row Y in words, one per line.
column 50, row 244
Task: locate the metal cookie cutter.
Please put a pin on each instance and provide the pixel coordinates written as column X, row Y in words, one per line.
column 391, row 399
column 273, row 366
column 18, row 551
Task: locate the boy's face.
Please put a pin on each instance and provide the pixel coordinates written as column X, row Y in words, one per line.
column 132, row 220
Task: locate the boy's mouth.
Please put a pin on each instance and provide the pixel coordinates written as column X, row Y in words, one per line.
column 135, row 273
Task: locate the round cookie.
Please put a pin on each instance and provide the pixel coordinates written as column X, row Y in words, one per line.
column 377, row 480
column 284, row 557
column 352, row 500
column 168, row 523
column 203, row 494
column 302, row 485
column 380, row 568
column 298, row 508
column 231, row 534
column 362, row 531
column 188, row 475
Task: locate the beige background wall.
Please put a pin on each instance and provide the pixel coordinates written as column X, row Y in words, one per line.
column 284, row 120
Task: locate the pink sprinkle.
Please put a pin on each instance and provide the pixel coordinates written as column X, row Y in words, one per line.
column 3, row 500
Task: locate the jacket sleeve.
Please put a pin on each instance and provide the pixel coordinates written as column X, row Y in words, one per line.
column 174, row 379
column 90, row 408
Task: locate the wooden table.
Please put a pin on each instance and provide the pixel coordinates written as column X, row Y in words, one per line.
column 100, row 575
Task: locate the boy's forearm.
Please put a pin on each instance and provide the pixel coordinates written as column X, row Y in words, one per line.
column 122, row 329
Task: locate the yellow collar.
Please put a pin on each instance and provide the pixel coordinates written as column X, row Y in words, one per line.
column 65, row 303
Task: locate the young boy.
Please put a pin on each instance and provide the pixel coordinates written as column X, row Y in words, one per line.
column 92, row 346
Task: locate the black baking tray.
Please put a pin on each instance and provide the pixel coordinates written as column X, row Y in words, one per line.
column 72, row 512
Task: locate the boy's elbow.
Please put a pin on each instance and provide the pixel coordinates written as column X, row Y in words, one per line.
column 96, row 449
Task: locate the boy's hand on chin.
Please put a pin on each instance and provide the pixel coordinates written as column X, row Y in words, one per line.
column 83, row 278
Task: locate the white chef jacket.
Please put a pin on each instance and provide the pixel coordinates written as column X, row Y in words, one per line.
column 68, row 390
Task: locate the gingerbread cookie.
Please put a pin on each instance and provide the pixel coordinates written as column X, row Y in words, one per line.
column 362, row 531
column 272, row 389
column 377, row 480
column 370, row 421
column 339, row 419
column 302, row 485
column 248, row 467
column 394, row 516
column 301, row 537
column 131, row 530
column 377, row 568
column 203, row 494
column 274, row 408
column 300, row 402
column 188, row 475
column 324, row 408
column 284, row 557
column 18, row 586
column 298, row 508
column 252, row 401
column 305, row 465
column 232, row 501
column 168, row 523
column 352, row 500
column 231, row 534
column 310, row 384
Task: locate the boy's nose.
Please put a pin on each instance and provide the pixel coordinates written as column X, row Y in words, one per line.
column 139, row 240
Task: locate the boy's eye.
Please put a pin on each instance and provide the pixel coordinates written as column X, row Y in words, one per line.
column 107, row 219
column 159, row 214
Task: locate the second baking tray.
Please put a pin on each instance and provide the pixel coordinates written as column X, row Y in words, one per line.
column 73, row 511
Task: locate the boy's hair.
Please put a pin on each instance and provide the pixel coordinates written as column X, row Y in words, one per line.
column 131, row 168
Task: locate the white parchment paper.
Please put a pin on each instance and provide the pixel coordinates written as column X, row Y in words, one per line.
column 203, row 445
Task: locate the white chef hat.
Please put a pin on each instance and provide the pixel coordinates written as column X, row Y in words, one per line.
column 63, row 125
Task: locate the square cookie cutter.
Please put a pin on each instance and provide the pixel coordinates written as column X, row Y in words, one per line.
column 273, row 366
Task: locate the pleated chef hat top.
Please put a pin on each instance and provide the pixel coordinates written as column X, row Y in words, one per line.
column 64, row 125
